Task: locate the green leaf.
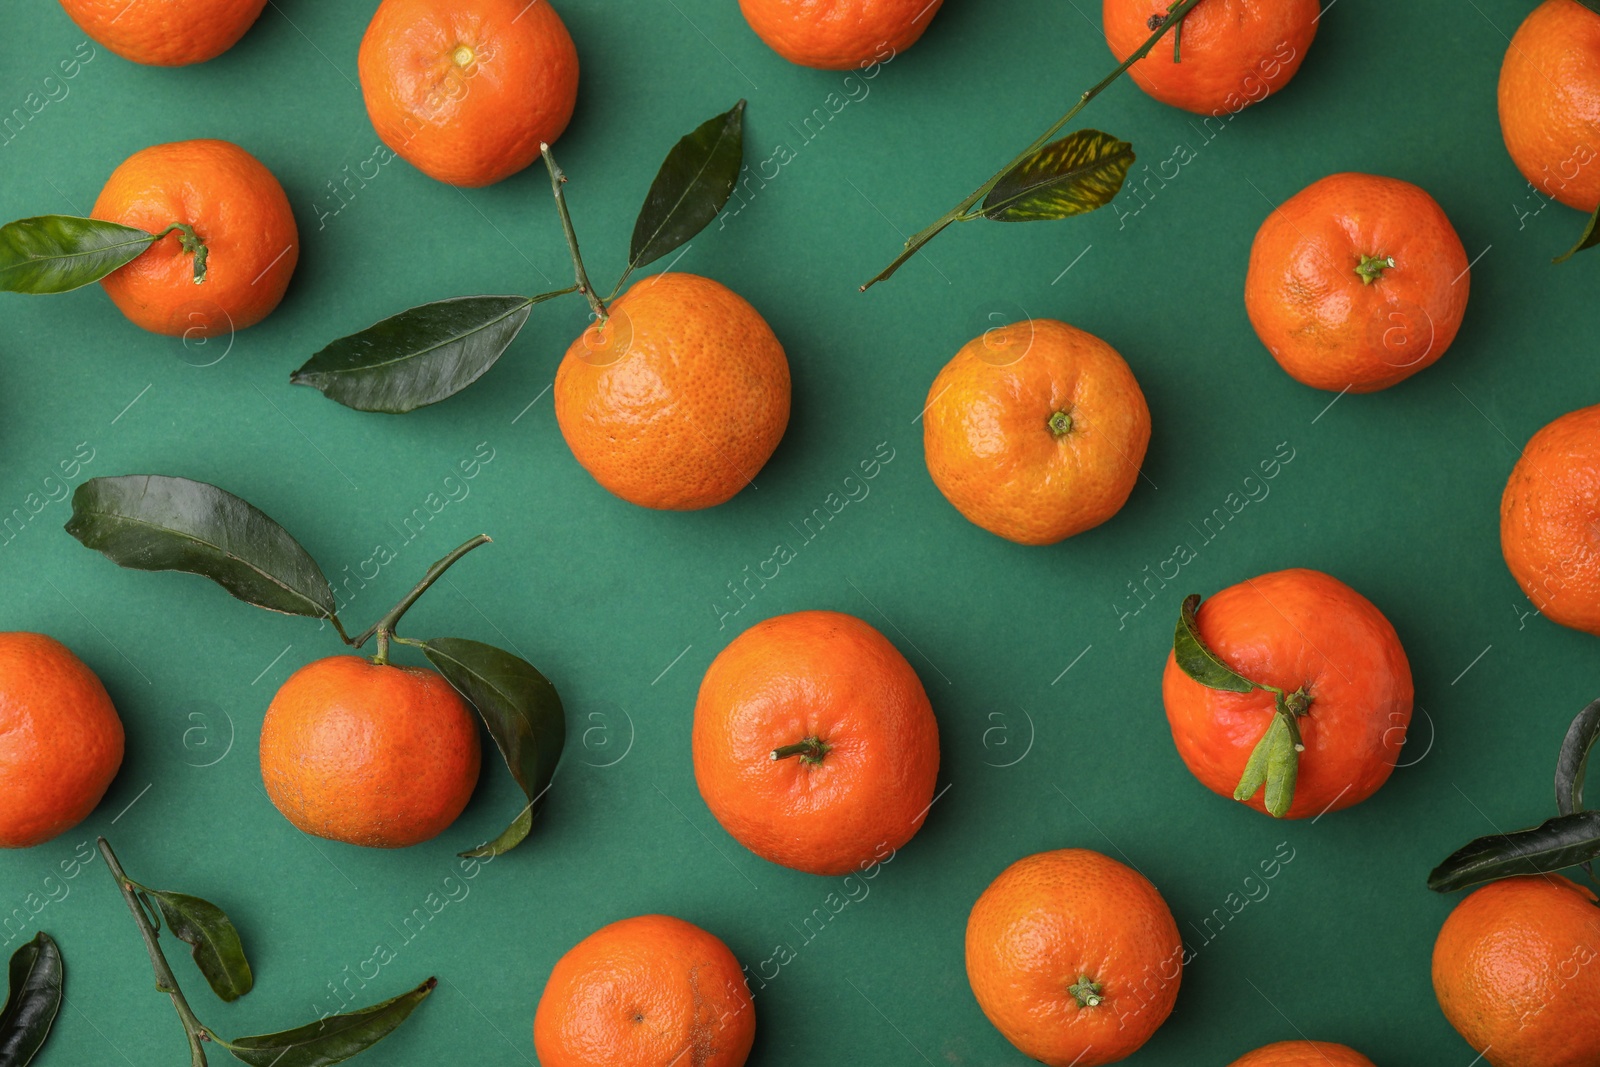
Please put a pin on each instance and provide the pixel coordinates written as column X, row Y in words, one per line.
column 1197, row 660
column 1591, row 230
column 154, row 523
column 1283, row 768
column 524, row 716
column 420, row 356
column 37, row 976
column 693, row 184
column 217, row 950
column 1255, row 768
column 1075, row 175
column 330, row 1040
column 1574, row 759
column 1553, row 845
column 59, row 253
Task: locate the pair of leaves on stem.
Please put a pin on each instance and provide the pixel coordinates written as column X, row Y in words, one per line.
column 219, row 955
column 38, row 975
column 1275, row 761
column 159, row 523
column 1571, row 838
column 60, row 253
column 433, row 351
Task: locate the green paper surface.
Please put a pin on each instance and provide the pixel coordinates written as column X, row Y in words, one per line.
column 1043, row 666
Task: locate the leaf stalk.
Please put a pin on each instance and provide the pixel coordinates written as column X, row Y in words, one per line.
column 557, row 180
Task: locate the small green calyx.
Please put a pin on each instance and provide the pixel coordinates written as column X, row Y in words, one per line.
column 1086, row 991
column 1371, row 268
column 810, row 751
column 1060, row 424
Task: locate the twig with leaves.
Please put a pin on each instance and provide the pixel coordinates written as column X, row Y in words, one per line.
column 1053, row 179
column 433, row 351
column 214, row 943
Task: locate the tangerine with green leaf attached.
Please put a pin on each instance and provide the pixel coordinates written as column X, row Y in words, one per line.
column 1303, row 1054
column 1516, row 968
column 165, row 34
column 229, row 262
column 1549, row 101
column 1548, row 520
column 60, row 740
column 1356, row 283
column 369, row 754
column 1289, row 692
column 814, row 743
column 1035, row 431
column 1224, row 56
column 648, row 990
column 678, row 398
column 839, row 34
column 466, row 92
column 1074, row 957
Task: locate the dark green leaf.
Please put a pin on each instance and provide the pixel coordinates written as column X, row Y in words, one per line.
column 693, row 184
column 37, row 976
column 154, row 523
column 1551, row 846
column 204, row 927
column 59, row 253
column 1198, row 661
column 1592, row 5
column 1574, row 759
column 1591, row 229
column 330, row 1040
column 420, row 356
column 523, row 714
column 1075, row 175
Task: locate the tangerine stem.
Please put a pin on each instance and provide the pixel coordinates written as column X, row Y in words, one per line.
column 384, row 627
column 191, row 244
column 810, row 751
column 1371, row 268
column 959, row 212
column 1086, row 991
column 165, row 982
column 557, row 180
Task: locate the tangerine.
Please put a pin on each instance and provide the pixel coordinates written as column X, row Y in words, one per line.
column 60, row 740
column 1035, row 431
column 165, row 34
column 651, row 990
column 1549, row 100
column 1074, row 957
column 814, row 743
column 1303, row 1054
column 678, row 398
column 839, row 34
column 1516, row 969
column 239, row 213
column 369, row 754
column 466, row 91
column 1357, row 282
column 1231, row 53
column 1548, row 516
column 1340, row 661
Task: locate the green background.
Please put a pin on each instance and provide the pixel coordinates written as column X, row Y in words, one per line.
column 1395, row 493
